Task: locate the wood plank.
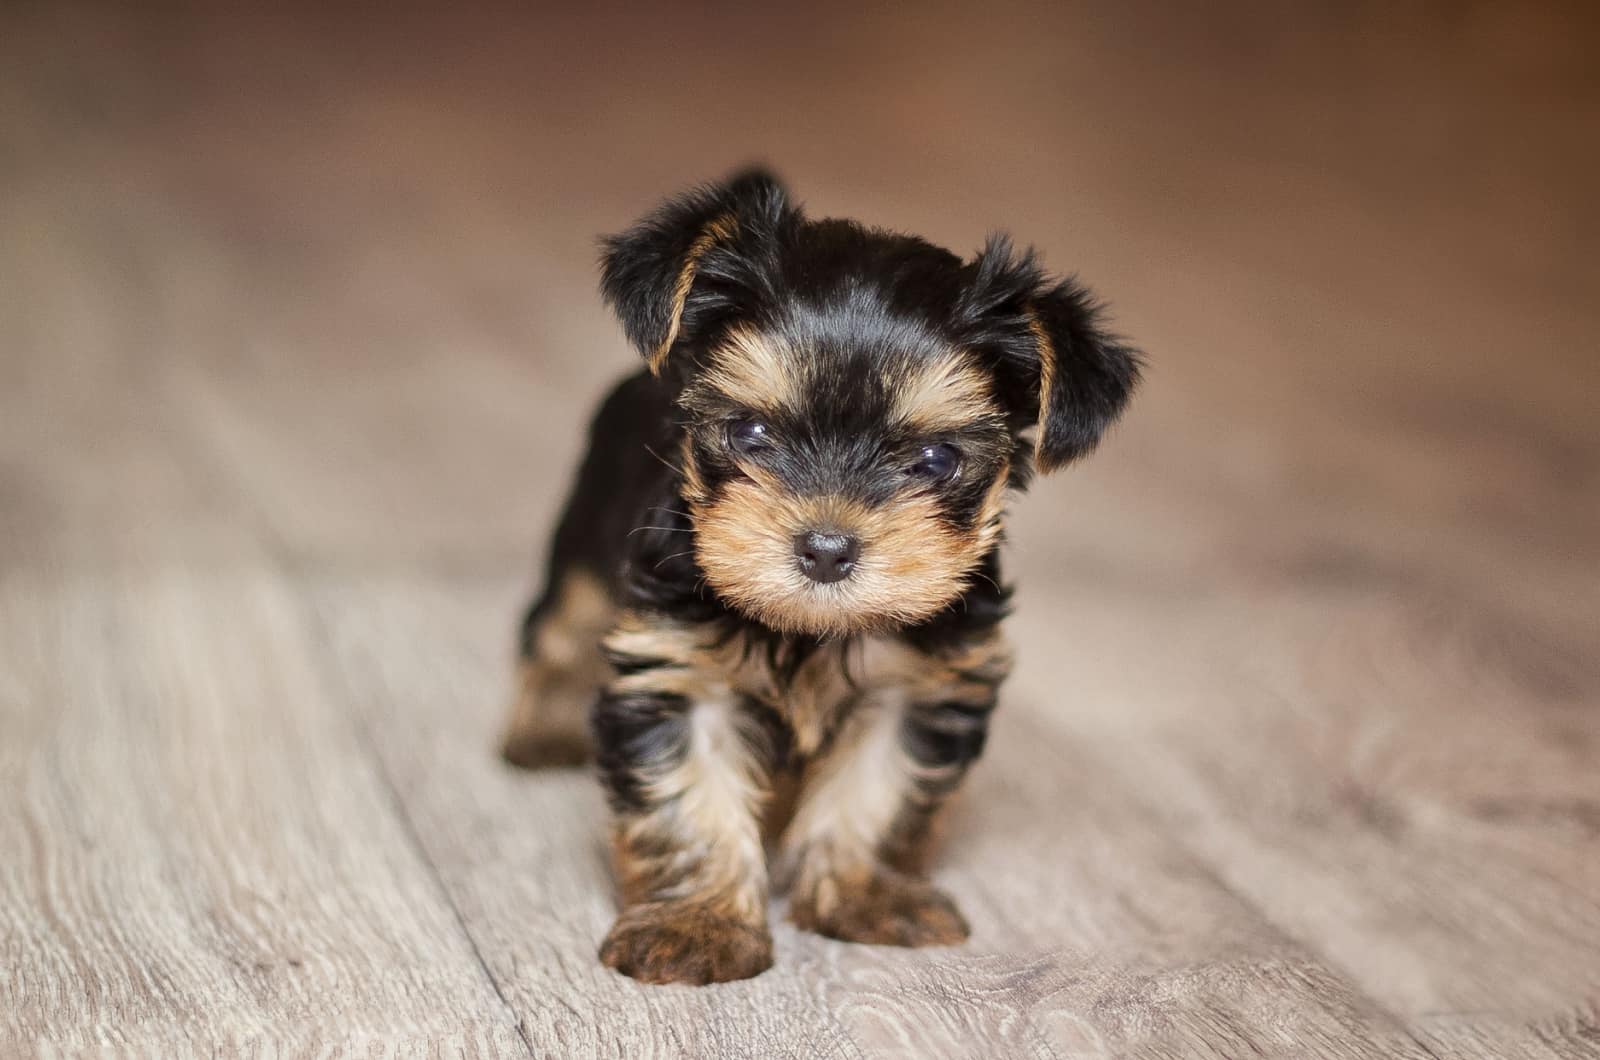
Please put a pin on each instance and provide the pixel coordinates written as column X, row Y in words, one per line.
column 1376, row 776
column 1096, row 933
column 201, row 854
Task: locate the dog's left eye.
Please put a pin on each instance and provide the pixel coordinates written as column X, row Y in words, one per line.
column 936, row 462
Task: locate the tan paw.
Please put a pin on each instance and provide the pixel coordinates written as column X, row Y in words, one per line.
column 675, row 942
column 885, row 908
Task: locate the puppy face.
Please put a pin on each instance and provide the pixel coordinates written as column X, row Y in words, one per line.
column 855, row 403
column 839, row 483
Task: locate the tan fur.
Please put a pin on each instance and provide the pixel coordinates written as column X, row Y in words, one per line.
column 1047, row 380
column 943, row 393
column 911, row 563
column 819, row 692
column 849, row 802
column 852, row 796
column 882, row 907
column 705, row 665
column 558, row 680
column 701, row 666
column 752, row 370
column 992, row 513
column 719, row 229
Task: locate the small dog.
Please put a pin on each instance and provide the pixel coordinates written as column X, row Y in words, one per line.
column 778, row 566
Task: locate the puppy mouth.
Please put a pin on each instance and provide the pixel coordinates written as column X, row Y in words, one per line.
column 825, row 566
column 854, row 595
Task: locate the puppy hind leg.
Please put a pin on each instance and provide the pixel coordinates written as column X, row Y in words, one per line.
column 560, row 673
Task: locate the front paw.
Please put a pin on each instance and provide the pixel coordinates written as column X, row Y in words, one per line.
column 676, row 942
column 881, row 907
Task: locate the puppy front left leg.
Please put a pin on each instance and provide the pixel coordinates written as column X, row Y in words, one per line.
column 858, row 843
column 686, row 763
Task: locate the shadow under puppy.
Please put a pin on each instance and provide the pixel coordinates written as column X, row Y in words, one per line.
column 779, row 562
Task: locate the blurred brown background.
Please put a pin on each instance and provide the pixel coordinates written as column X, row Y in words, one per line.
column 298, row 331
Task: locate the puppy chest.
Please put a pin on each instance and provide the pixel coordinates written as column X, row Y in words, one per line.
column 815, row 694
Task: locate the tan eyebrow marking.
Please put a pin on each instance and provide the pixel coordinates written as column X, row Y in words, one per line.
column 751, row 369
column 946, row 392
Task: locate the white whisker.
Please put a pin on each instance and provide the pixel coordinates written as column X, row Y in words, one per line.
column 675, row 555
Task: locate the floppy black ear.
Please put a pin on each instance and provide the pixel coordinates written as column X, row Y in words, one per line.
column 648, row 272
column 1057, row 366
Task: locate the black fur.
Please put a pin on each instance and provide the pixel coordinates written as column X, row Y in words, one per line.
column 641, row 267
column 634, row 736
column 1095, row 372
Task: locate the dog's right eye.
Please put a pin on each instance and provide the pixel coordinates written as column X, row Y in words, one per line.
column 749, row 436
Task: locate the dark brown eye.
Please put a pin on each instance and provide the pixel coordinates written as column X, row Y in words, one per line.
column 936, row 462
column 749, row 435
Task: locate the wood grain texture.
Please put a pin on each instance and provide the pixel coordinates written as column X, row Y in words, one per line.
column 201, row 853
column 298, row 333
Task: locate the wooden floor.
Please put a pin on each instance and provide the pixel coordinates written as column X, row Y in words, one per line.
column 297, row 332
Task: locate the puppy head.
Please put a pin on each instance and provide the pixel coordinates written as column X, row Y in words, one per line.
column 856, row 402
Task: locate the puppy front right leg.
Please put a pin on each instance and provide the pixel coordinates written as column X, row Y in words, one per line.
column 686, row 764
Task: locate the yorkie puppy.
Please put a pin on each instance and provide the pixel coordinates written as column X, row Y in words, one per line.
column 779, row 563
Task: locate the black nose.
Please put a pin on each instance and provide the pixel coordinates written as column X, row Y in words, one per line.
column 826, row 557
